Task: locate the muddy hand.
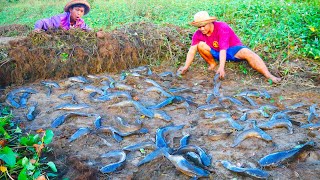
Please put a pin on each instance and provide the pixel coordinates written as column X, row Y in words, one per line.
column 100, row 34
column 37, row 30
column 182, row 70
column 221, row 72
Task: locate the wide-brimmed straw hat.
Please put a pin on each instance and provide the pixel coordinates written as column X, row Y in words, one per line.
column 202, row 18
column 74, row 2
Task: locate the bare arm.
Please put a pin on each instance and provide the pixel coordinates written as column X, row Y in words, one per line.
column 190, row 57
column 222, row 62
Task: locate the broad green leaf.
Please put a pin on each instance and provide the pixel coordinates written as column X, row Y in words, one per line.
column 52, row 166
column 24, row 141
column 36, row 174
column 18, row 130
column 8, row 156
column 35, row 139
column 48, row 136
column 25, row 161
column 5, row 133
column 30, row 166
column 23, row 174
column 5, row 120
column 29, row 140
column 6, row 110
column 52, row 175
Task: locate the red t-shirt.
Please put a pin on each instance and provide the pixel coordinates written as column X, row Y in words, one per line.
column 221, row 38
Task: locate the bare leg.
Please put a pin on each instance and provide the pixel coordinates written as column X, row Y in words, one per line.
column 204, row 51
column 256, row 63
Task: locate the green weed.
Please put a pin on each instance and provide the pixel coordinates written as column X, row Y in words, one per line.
column 243, row 69
column 21, row 154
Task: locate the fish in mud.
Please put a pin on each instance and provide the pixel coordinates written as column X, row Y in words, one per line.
column 11, row 96
column 311, row 126
column 71, row 107
column 24, row 99
column 159, row 90
column 163, row 103
column 185, row 166
column 97, row 122
column 110, row 80
column 31, row 115
column 195, row 159
column 142, row 145
column 281, row 157
column 160, row 134
column 252, row 132
column 277, row 123
column 216, row 88
column 124, row 125
column 184, row 140
column 253, row 172
column 150, row 81
column 231, row 99
column 216, row 78
column 116, row 165
column 223, row 117
column 251, row 101
column 258, row 93
column 205, row 158
column 161, row 115
column 166, row 74
column 50, row 85
column 153, row 155
column 214, row 136
column 80, row 132
column 313, row 113
column 122, row 86
column 117, row 134
column 208, row 107
column 91, row 88
column 142, row 69
column 68, row 95
column 181, row 90
column 79, row 79
column 139, row 107
column 119, row 94
column 61, row 119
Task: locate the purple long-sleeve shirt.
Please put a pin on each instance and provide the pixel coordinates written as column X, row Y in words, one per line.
column 61, row 20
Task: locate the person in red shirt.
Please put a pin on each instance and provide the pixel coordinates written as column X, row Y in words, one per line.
column 215, row 40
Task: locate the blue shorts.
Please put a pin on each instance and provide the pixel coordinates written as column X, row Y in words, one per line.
column 230, row 53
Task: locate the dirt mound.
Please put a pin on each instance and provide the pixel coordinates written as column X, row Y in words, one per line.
column 60, row 54
column 14, row 30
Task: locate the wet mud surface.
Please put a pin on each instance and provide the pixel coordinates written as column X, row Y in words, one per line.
column 80, row 159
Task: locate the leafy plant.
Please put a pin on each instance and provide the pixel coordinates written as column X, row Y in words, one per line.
column 243, row 69
column 64, row 57
column 21, row 154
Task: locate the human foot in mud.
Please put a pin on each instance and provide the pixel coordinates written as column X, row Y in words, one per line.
column 211, row 67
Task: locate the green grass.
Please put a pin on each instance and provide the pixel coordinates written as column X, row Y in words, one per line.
column 276, row 29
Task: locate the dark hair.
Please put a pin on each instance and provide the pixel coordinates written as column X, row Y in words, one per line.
column 78, row 5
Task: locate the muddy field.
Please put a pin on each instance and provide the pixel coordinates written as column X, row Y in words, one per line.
column 80, row 159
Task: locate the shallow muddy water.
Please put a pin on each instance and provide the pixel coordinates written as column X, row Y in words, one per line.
column 80, row 159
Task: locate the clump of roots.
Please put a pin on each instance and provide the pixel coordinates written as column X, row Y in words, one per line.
column 59, row 54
